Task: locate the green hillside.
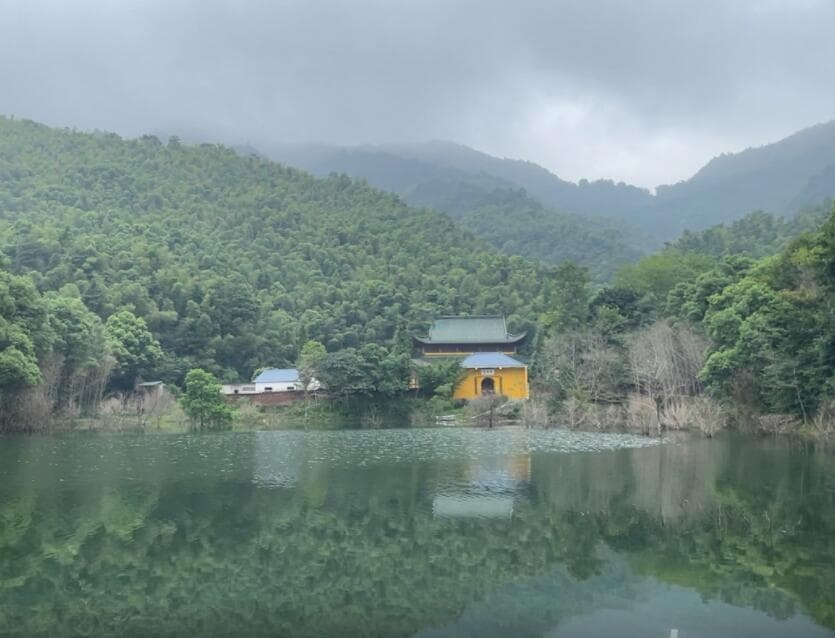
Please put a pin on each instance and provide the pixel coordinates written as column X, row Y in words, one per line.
column 779, row 178
column 587, row 198
column 496, row 206
column 519, row 225
column 732, row 326
column 756, row 235
column 136, row 258
column 235, row 262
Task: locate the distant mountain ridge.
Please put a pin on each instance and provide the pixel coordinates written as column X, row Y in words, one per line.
column 582, row 198
column 412, row 164
column 781, row 178
column 494, row 207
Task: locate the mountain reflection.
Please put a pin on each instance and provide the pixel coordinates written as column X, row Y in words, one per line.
column 398, row 532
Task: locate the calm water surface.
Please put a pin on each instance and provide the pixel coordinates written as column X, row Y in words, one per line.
column 444, row 532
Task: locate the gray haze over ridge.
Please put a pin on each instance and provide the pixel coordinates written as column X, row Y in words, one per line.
column 640, row 92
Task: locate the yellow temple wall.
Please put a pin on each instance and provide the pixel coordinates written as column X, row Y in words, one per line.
column 509, row 382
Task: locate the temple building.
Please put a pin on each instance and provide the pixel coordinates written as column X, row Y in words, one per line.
column 458, row 336
column 484, row 346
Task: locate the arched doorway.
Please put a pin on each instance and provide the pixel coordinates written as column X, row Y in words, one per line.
column 488, row 386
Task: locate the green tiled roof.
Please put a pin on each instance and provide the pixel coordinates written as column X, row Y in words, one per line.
column 485, row 329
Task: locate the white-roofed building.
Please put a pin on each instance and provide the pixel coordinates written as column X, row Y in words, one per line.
column 269, row 381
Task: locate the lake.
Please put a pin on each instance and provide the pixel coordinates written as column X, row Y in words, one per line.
column 425, row 532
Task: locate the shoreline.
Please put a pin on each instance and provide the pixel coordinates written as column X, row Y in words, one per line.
column 331, row 418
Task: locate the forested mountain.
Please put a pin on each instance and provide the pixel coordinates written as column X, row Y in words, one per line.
column 484, row 196
column 703, row 333
column 494, row 206
column 415, row 162
column 232, row 262
column 519, row 225
column 758, row 234
column 419, row 182
column 588, row 198
column 122, row 259
column 771, row 325
column 780, row 178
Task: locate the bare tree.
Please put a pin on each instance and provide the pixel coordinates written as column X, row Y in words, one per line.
column 583, row 366
column 664, row 363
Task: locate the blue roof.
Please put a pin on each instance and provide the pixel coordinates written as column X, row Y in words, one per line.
column 491, row 360
column 278, row 375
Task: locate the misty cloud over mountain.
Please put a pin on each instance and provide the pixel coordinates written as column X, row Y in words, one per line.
column 644, row 93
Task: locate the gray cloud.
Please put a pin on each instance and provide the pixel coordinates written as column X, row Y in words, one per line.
column 640, row 91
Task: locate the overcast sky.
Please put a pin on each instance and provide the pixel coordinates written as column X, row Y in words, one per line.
column 644, row 91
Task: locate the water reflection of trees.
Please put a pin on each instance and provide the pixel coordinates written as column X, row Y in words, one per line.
column 158, row 547
column 748, row 524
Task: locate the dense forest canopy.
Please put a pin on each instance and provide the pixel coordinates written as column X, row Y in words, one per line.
column 756, row 235
column 234, row 262
column 488, row 197
column 701, row 326
column 123, row 260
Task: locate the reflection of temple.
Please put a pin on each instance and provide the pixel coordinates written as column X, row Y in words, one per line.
column 500, row 473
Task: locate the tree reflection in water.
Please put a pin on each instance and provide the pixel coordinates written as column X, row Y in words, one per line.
column 313, row 534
